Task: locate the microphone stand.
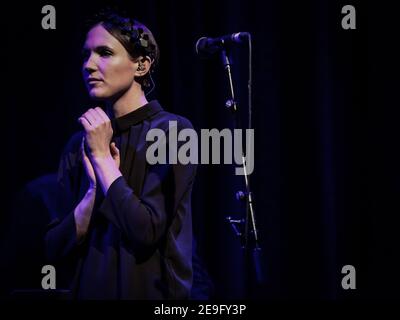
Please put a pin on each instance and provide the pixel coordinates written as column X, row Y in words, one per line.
column 249, row 237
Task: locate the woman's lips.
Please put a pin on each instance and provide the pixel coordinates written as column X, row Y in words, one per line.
column 93, row 81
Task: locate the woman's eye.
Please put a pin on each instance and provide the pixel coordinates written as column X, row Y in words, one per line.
column 106, row 53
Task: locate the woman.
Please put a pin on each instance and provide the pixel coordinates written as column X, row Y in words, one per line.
column 123, row 227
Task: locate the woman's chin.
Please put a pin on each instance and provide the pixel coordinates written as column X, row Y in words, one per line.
column 97, row 95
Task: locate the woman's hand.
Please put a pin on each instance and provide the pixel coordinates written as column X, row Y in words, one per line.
column 88, row 166
column 103, row 157
column 115, row 154
column 99, row 132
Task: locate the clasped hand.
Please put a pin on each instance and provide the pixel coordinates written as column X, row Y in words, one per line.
column 99, row 132
column 98, row 135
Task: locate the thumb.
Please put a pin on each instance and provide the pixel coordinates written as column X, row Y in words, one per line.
column 114, row 149
column 83, row 148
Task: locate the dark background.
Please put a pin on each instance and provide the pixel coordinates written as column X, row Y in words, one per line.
column 325, row 111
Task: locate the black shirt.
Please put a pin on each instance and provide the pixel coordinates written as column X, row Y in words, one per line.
column 139, row 242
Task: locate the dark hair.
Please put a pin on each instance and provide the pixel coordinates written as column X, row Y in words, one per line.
column 134, row 36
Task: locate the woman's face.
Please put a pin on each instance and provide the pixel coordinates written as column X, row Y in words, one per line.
column 108, row 70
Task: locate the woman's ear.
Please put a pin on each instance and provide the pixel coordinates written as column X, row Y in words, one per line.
column 143, row 66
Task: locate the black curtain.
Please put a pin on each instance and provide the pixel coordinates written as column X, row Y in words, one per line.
column 325, row 115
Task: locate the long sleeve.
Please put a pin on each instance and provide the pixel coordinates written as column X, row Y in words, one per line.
column 143, row 220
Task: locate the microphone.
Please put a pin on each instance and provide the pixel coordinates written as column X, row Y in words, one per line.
column 208, row 46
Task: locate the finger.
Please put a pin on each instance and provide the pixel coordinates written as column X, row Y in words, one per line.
column 93, row 117
column 85, row 123
column 102, row 114
column 83, row 152
column 114, row 149
column 82, row 145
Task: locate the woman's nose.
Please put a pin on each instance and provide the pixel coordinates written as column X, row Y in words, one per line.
column 89, row 69
column 89, row 65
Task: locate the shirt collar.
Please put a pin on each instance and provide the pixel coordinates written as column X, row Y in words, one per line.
column 130, row 119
